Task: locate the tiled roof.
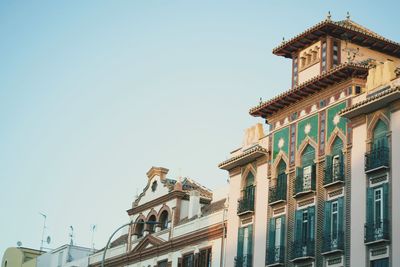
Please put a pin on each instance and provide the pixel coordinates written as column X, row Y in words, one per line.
column 256, row 151
column 336, row 74
column 344, row 29
column 350, row 111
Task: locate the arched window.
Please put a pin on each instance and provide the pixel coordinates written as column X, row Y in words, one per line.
column 278, row 192
column 246, row 203
column 305, row 179
column 139, row 228
column 334, row 163
column 249, row 180
column 151, row 227
column 164, row 220
column 380, row 135
column 378, row 156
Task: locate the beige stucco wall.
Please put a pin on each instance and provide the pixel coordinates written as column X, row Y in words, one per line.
column 260, row 224
column 395, row 127
column 309, row 73
column 364, row 53
column 15, row 257
column 358, row 195
column 233, row 220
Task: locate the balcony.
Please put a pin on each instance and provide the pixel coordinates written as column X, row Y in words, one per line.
column 333, row 244
column 334, row 174
column 376, row 159
column 276, row 256
column 246, row 203
column 277, row 194
column 244, row 261
column 304, row 185
column 376, row 232
column 303, row 250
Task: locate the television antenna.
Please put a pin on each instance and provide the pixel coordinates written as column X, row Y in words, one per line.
column 93, row 228
column 19, row 243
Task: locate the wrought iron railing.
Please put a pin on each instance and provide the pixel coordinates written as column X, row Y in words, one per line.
column 303, row 184
column 275, row 255
column 244, row 261
column 303, row 248
column 277, row 193
column 376, row 231
column 377, row 158
column 246, row 203
column 334, row 173
column 332, row 242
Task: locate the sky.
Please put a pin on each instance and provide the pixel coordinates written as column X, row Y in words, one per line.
column 95, row 93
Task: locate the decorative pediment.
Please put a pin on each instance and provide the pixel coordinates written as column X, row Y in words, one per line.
column 146, row 243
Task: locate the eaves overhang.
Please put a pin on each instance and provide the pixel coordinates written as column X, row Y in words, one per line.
column 345, row 30
column 371, row 103
column 247, row 156
column 336, row 75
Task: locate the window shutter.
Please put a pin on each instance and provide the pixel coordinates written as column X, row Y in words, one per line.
column 328, row 168
column 341, row 213
column 169, row 264
column 271, row 233
column 180, row 262
column 311, row 222
column 250, row 240
column 196, row 260
column 297, row 231
column 283, row 231
column 385, row 201
column 313, row 176
column 239, row 253
column 327, row 218
column 370, row 205
column 298, row 183
column 341, row 165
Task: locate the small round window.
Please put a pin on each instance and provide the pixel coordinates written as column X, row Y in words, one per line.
column 154, row 186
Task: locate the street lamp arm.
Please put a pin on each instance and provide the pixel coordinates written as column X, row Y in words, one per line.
column 109, row 241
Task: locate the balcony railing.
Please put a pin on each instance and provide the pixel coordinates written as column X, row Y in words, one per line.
column 376, row 231
column 246, row 203
column 303, row 249
column 303, row 185
column 278, row 192
column 377, row 158
column 334, row 173
column 332, row 243
column 244, row 261
column 276, row 255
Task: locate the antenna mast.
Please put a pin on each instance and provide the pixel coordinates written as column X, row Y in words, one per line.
column 93, row 228
column 44, row 227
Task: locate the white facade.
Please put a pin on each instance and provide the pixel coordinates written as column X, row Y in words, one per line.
column 65, row 256
column 193, row 230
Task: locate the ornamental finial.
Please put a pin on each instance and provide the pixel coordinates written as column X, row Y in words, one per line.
column 329, row 16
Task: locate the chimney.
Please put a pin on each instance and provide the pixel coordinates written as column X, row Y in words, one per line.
column 194, row 204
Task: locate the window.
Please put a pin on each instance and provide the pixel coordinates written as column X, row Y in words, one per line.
column 154, row 186
column 276, row 240
column 380, row 263
column 163, row 263
column 378, row 203
column 335, row 59
column 303, row 244
column 139, row 228
column 335, row 167
column 205, row 258
column 164, row 220
column 245, row 246
column 188, row 261
column 323, row 57
column 295, row 71
column 151, row 227
column 377, row 225
column 333, row 225
column 307, row 178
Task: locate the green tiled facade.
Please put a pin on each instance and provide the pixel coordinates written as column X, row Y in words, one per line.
column 307, row 127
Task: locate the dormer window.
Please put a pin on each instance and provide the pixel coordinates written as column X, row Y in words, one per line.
column 154, row 186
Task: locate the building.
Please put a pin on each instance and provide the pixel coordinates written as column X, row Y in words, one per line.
column 65, row 256
column 20, row 257
column 190, row 230
column 319, row 188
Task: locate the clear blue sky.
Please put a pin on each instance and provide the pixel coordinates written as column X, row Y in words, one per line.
column 94, row 93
